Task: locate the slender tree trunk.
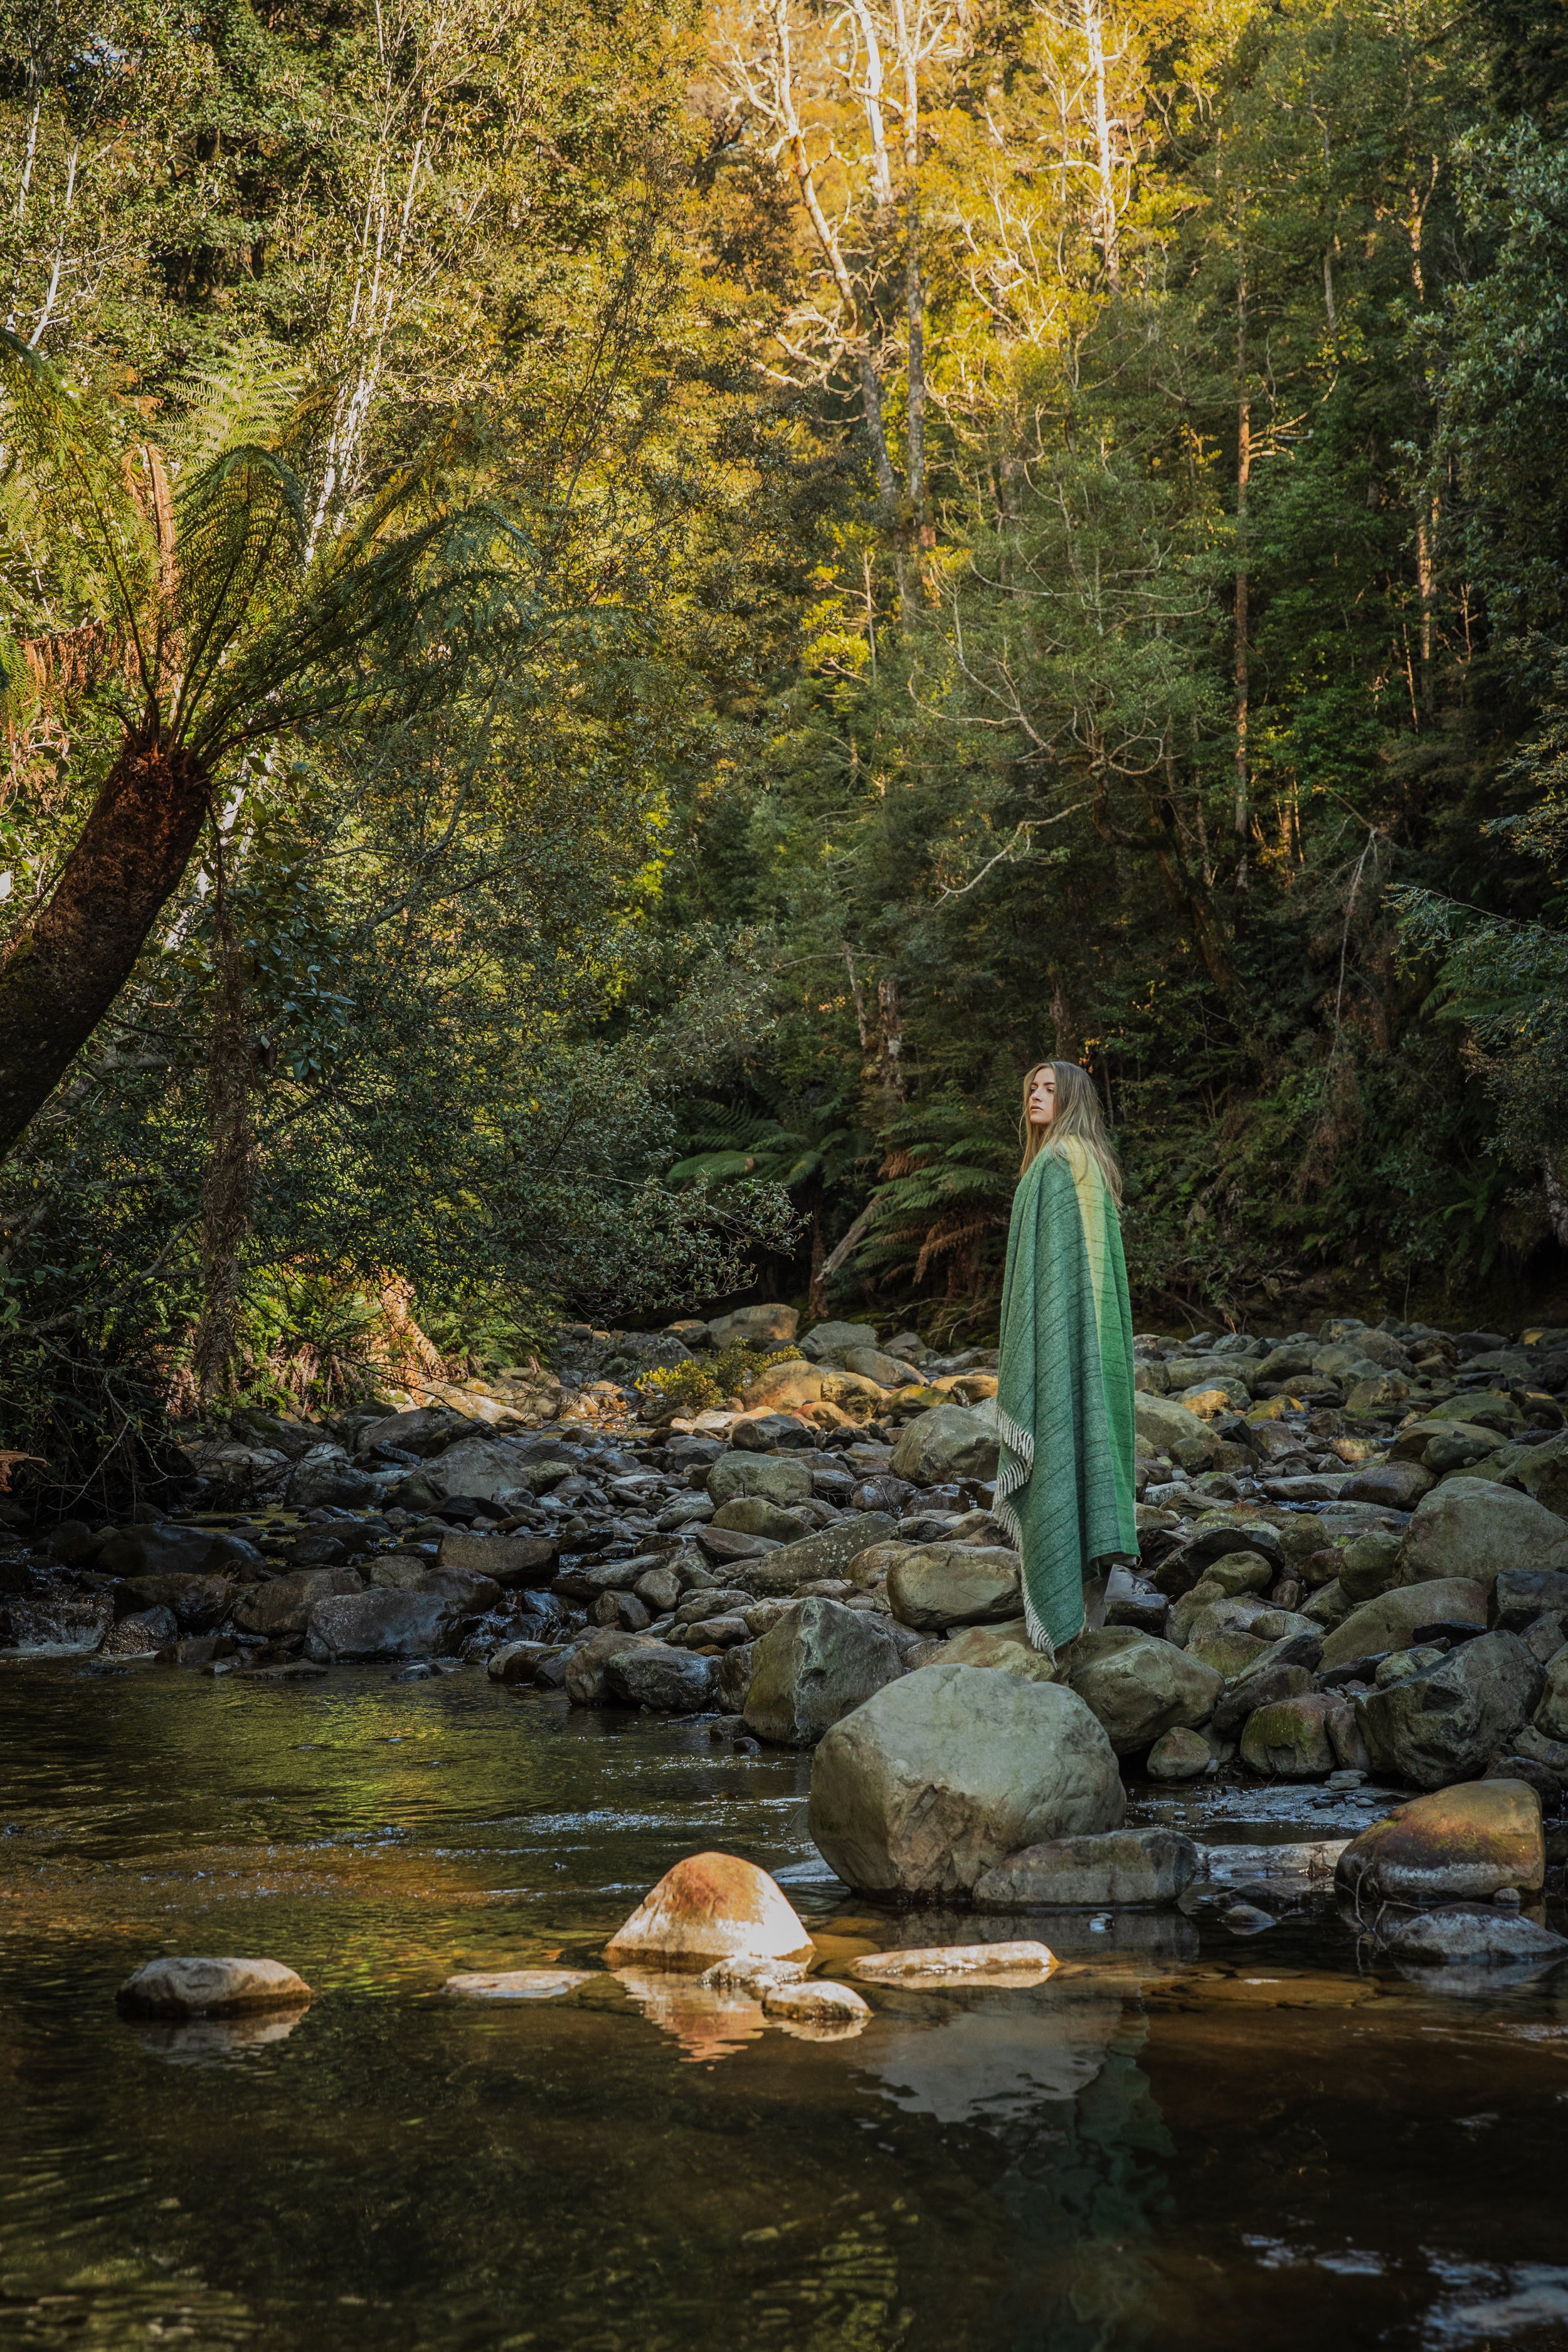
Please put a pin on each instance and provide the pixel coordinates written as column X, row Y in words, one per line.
column 60, row 976
column 1243, row 817
column 914, row 283
column 816, row 1289
column 1109, row 244
column 230, row 1185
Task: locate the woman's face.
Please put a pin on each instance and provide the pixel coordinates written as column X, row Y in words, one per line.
column 1043, row 1097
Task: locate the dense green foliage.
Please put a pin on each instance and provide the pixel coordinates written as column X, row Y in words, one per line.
column 1035, row 531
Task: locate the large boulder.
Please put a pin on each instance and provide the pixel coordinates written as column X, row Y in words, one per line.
column 325, row 1476
column 753, row 1515
column 1007, row 1647
column 1475, row 1528
column 1448, row 1723
column 283, row 1606
column 1521, row 1595
column 943, row 1585
column 479, row 1467
column 508, row 1559
column 888, row 1371
column 1473, row 1839
column 379, row 1625
column 818, row 1663
column 1542, row 1471
column 584, row 1669
column 944, row 1773
column 199, row 1603
column 1141, row 1687
column 775, row 1477
column 1465, row 1937
column 1393, row 1619
column 155, row 1549
column 1125, row 1867
column 950, row 1442
column 826, row 1553
column 711, row 1907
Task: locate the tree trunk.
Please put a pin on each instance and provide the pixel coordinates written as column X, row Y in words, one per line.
column 60, row 976
column 230, row 1183
column 1243, row 817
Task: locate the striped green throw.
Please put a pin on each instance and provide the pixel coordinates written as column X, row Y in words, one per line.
column 1064, row 1491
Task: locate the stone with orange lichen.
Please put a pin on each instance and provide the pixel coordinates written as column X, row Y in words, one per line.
column 707, row 1907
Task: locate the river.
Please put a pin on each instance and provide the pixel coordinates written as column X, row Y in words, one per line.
column 1183, row 2138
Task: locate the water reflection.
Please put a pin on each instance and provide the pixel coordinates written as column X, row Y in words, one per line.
column 213, row 2040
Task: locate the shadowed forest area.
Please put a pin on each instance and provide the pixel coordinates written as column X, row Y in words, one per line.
column 614, row 618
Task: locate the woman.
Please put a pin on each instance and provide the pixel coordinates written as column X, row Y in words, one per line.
column 1064, row 1491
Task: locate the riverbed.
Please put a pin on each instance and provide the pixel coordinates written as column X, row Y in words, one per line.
column 1184, row 2137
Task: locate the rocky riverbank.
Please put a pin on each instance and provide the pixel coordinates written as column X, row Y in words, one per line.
column 1353, row 1569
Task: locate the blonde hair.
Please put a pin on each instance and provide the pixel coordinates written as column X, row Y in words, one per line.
column 1078, row 1120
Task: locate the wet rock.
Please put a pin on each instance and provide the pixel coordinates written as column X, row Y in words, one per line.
column 710, row 1907
column 199, row 1603
column 1180, row 1755
column 519, row 1662
column 944, row 1773
column 1462, row 1936
column 326, row 1476
column 781, row 1478
column 511, row 1560
column 665, row 1680
column 819, row 1662
column 623, row 1609
column 1473, row 1528
column 1290, row 1740
column 1445, row 1724
column 582, row 1670
column 1141, row 1687
column 827, row 1553
column 140, row 1636
column 1393, row 1619
column 379, row 1625
column 943, row 1585
column 952, row 1441
column 1551, row 1716
column 816, row 2000
column 190, row 1986
column 1127, row 1866
column 284, row 1605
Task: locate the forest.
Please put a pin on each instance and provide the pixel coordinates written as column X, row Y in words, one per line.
column 613, row 618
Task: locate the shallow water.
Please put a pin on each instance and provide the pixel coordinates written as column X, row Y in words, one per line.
column 1173, row 2141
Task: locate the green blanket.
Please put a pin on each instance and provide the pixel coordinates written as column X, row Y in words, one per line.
column 1064, row 1491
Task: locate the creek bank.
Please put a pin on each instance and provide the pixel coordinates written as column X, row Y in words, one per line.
column 1353, row 1560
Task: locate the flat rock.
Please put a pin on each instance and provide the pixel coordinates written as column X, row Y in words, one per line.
column 516, row 1984
column 1471, row 1840
column 818, row 1663
column 944, row 1773
column 1002, row 1965
column 708, row 1907
column 192, row 1987
column 825, row 1554
column 1399, row 1485
column 1125, row 1866
column 379, row 1625
column 938, row 1586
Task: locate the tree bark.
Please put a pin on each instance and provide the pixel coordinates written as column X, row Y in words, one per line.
column 60, row 976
